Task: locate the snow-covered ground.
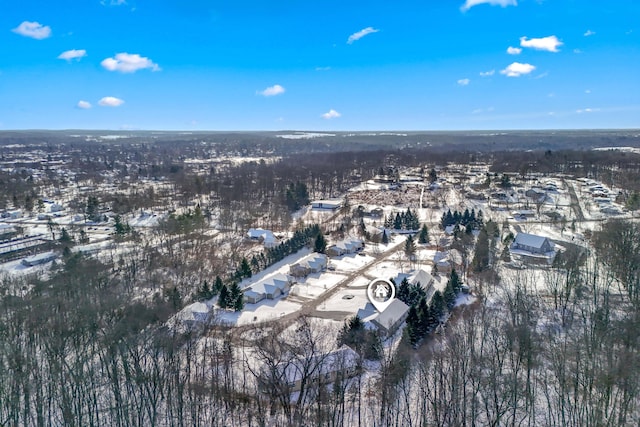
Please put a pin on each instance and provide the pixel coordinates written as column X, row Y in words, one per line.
column 347, row 300
column 265, row 310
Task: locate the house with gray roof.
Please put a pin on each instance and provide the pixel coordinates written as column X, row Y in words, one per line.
column 532, row 243
column 312, row 263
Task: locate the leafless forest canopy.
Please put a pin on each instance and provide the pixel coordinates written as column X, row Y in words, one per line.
column 83, row 346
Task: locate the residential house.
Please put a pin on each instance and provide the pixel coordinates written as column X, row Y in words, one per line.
column 532, row 243
column 346, row 246
column 266, row 237
column 270, row 288
column 312, row 263
column 39, row 259
column 391, row 318
column 326, row 204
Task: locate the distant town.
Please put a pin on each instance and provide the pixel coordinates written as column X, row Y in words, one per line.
column 167, row 273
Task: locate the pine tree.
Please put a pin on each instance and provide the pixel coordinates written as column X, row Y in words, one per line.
column 449, row 295
column 413, row 326
column 217, row 286
column 224, row 298
column 204, row 293
column 65, row 238
column 320, row 244
column 436, row 308
column 397, row 222
column 424, row 234
column 409, row 247
column 385, row 238
column 236, row 299
column 245, row 268
column 456, row 283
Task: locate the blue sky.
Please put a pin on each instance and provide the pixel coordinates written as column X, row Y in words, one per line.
column 319, row 65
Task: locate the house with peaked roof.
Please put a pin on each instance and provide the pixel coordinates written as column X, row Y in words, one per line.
column 532, row 243
column 266, row 237
column 312, row 263
column 346, row 246
column 268, row 288
column 391, row 318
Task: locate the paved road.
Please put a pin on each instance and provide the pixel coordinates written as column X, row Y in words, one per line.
column 575, row 204
column 310, row 308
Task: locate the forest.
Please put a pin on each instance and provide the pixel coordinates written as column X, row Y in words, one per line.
column 92, row 343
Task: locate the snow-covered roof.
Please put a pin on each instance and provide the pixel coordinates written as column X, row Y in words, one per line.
column 396, row 310
column 530, row 240
column 425, row 279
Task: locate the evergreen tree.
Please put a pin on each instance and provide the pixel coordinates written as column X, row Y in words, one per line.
column 456, row 283
column 413, row 326
column 224, row 297
column 409, row 247
column 436, row 307
column 204, row 293
column 245, row 268
column 65, row 238
column 217, row 286
column 403, row 293
column 385, row 238
column 480, row 261
column 397, row 222
column 388, row 221
column 449, row 296
column 236, row 298
column 433, row 176
column 320, row 245
column 424, row 234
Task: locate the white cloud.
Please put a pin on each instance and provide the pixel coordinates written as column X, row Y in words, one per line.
column 587, row 110
column 331, row 114
column 504, row 3
column 128, row 63
column 517, row 69
column 577, row 51
column 587, row 91
column 113, row 2
column 549, row 43
column 84, row 105
column 589, row 33
column 73, row 54
column 110, row 101
column 323, row 68
column 464, row 82
column 35, row 30
column 487, row 73
column 514, row 50
column 272, row 91
column 360, row 34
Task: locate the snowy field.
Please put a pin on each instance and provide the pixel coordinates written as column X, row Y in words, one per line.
column 355, row 300
column 265, row 310
column 316, row 284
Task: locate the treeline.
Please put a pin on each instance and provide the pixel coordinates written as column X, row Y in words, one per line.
column 408, row 220
column 425, row 315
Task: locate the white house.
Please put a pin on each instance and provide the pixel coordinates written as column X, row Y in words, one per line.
column 194, row 314
column 312, row 263
column 270, row 288
column 391, row 318
column 346, row 246
column 266, row 237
